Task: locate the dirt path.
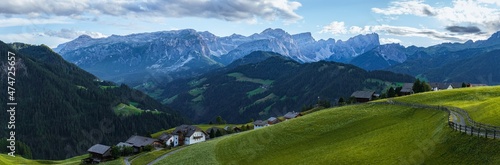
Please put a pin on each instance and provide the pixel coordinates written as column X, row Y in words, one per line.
column 164, row 156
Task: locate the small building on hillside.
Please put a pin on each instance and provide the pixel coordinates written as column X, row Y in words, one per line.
column 232, row 129
column 259, row 124
column 98, row 153
column 188, row 134
column 292, row 115
column 167, row 139
column 273, row 120
column 139, row 142
column 444, row 86
column 363, row 96
column 122, row 144
column 406, row 89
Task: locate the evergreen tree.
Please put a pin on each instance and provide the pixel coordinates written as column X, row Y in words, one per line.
column 417, row 86
column 219, row 120
column 116, row 151
column 426, row 87
column 341, row 101
column 218, row 133
column 391, row 92
column 212, row 134
column 464, row 85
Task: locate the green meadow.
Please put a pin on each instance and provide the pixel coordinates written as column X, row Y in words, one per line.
column 482, row 103
column 357, row 134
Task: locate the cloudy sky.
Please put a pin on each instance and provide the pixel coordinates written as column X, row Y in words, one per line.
column 408, row 22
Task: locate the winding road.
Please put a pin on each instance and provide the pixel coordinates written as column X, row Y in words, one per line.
column 457, row 120
column 163, row 157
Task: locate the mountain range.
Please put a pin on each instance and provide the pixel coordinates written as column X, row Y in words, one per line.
column 168, row 55
column 63, row 110
column 160, row 57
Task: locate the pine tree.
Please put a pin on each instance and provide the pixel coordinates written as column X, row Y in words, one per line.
column 218, row 133
column 341, row 101
column 391, row 92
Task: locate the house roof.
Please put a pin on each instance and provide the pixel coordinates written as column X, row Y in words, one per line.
column 291, row 115
column 445, row 85
column 407, row 88
column 165, row 136
column 122, row 144
column 140, row 141
column 272, row 119
column 187, row 130
column 99, row 149
column 363, row 94
column 259, row 123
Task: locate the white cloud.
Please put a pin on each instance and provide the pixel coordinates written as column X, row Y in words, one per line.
column 339, row 28
column 335, row 28
column 33, row 38
column 482, row 13
column 13, row 21
column 72, row 34
column 389, row 40
column 414, row 7
column 229, row 10
column 471, row 12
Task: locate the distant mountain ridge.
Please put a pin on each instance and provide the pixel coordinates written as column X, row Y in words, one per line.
column 160, row 57
column 184, row 53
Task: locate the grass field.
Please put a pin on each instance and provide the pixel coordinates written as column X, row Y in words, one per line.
column 241, row 77
column 151, row 156
column 8, row 160
column 126, row 110
column 359, row 134
column 482, row 103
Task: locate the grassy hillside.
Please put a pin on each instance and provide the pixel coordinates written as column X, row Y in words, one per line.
column 5, row 159
column 482, row 103
column 359, row 134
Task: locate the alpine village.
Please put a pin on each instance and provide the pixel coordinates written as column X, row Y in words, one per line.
column 250, row 82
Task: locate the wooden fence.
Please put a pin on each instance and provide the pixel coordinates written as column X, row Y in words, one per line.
column 471, row 127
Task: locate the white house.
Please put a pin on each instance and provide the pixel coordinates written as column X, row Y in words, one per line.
column 259, row 124
column 168, row 139
column 187, row 135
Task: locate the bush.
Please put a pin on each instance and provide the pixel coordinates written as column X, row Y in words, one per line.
column 147, row 148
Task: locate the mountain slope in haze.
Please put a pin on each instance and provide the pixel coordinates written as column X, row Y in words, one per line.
column 63, row 110
column 134, row 58
column 269, row 88
column 483, row 68
column 431, row 60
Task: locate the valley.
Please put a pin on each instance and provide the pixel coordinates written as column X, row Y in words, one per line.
column 353, row 134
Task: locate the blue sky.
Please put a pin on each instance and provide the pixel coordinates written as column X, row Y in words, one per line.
column 408, row 22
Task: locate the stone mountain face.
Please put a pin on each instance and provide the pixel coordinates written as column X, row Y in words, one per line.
column 182, row 53
column 167, row 55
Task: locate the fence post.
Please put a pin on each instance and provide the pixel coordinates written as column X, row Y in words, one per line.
column 478, row 132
